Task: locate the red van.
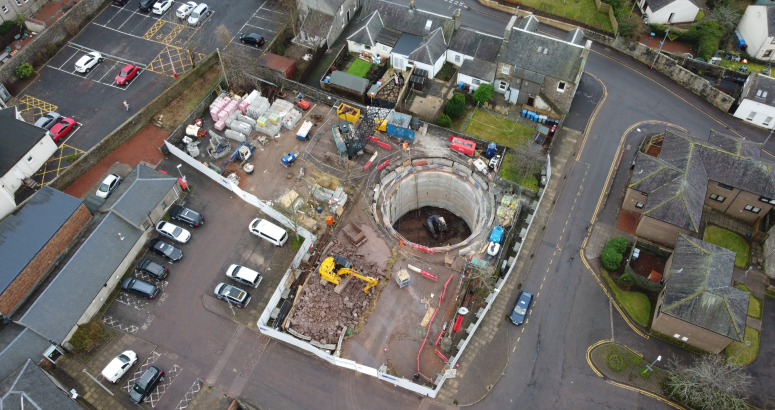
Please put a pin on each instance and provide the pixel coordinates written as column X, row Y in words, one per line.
column 462, row 146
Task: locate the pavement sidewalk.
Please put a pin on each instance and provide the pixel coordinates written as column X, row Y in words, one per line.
column 485, row 359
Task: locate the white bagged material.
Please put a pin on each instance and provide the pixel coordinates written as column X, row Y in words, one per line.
column 240, row 127
column 234, row 135
column 290, row 120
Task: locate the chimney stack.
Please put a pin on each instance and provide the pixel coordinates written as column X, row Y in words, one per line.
column 456, row 18
column 507, row 32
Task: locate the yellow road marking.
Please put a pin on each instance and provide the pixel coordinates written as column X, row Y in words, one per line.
column 38, row 107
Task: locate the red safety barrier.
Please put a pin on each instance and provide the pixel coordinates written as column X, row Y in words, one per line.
column 373, row 157
column 383, row 165
column 441, row 355
column 373, row 139
column 458, row 323
column 419, row 163
column 429, row 329
column 384, row 145
column 430, row 275
column 439, row 338
column 423, row 248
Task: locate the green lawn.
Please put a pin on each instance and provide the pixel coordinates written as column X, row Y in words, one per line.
column 497, row 129
column 637, row 305
column 583, row 11
column 359, row 68
column 729, row 240
column 754, row 303
column 700, row 15
column 752, row 67
column 748, row 353
column 509, row 175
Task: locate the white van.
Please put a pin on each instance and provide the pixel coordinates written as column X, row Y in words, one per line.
column 269, row 231
column 198, row 14
column 244, row 275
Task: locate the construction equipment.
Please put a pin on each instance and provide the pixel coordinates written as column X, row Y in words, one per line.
column 288, row 159
column 244, row 151
column 436, row 225
column 304, row 105
column 334, row 268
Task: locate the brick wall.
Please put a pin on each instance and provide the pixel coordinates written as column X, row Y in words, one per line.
column 659, row 232
column 44, row 262
column 55, row 33
column 695, row 335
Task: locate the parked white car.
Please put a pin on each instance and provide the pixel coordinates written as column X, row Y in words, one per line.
column 173, row 232
column 109, row 185
column 87, row 62
column 186, row 9
column 162, row 6
column 198, row 14
column 119, row 366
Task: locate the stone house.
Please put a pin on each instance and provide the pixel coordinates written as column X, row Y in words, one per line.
column 698, row 305
column 676, row 175
column 475, row 53
column 324, row 20
column 757, row 27
column 539, row 70
column 372, row 36
column 26, row 148
column 757, row 101
column 669, row 11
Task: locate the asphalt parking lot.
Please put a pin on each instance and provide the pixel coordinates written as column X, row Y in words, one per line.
column 266, row 21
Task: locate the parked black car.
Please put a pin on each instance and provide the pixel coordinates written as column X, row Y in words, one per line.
column 140, row 287
column 153, row 269
column 252, row 39
column 164, row 249
column 147, row 5
column 145, row 384
column 182, row 214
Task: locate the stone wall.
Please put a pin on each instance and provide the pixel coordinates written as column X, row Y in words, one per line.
column 669, row 67
column 57, row 32
column 46, row 259
column 131, row 126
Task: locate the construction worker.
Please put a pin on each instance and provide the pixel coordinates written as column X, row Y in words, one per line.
column 406, row 146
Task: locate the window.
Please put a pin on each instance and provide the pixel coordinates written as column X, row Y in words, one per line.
column 29, row 159
column 428, row 24
column 725, row 186
column 767, row 54
column 163, row 204
column 457, row 58
column 344, row 23
column 751, row 208
column 717, row 197
column 676, row 336
column 767, row 200
column 767, row 121
column 539, row 49
column 475, row 81
column 505, row 69
column 18, row 2
column 750, row 116
column 639, row 205
column 759, row 93
column 502, row 85
column 5, row 9
column 384, row 48
column 367, row 47
column 561, row 87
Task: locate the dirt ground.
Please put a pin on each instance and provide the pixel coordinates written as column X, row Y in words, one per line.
column 671, row 46
column 143, row 146
column 175, row 112
column 412, row 227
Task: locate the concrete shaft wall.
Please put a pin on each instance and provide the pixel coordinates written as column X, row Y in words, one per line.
column 436, row 188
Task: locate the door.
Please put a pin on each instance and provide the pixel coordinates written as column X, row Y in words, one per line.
column 531, row 100
column 348, row 16
column 398, row 62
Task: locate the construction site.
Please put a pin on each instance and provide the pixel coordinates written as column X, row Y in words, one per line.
column 401, row 241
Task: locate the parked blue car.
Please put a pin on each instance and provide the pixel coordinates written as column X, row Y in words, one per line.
column 519, row 312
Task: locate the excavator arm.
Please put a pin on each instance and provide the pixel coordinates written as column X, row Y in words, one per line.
column 368, row 279
column 328, row 272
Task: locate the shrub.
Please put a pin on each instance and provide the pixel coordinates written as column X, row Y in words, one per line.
column 6, row 27
column 455, row 106
column 443, row 120
column 24, row 70
column 59, row 43
column 281, row 49
column 483, row 93
column 625, row 280
column 611, row 259
column 50, row 49
column 618, row 244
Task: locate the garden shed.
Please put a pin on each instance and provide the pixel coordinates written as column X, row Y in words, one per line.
column 282, row 64
column 347, row 83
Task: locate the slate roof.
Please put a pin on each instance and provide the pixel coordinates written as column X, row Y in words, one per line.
column 388, row 37
column 317, row 23
column 17, row 139
column 475, row 44
column 770, row 21
column 334, row 4
column 140, row 193
column 529, row 23
column 656, row 5
column 575, row 36
column 699, row 288
column 762, row 89
column 30, row 384
column 349, row 81
column 401, row 18
column 430, row 49
column 17, row 345
column 64, row 301
column 483, row 70
column 677, row 180
column 557, row 58
column 367, row 29
column 24, row 234
column 406, row 44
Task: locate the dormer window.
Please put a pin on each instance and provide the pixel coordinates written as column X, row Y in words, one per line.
column 428, row 24
column 539, row 49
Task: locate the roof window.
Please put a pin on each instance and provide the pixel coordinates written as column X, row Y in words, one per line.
column 428, row 24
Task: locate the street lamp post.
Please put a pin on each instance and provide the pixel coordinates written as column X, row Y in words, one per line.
column 182, row 176
column 648, row 366
column 661, row 43
column 746, row 273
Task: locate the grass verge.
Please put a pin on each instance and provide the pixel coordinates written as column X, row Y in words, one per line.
column 729, row 240
column 509, row 174
column 754, row 303
column 744, row 354
column 359, row 68
column 89, row 338
column 583, row 11
column 636, row 304
column 493, row 128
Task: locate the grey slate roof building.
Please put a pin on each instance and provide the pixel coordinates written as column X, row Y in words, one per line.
column 29, row 387
column 139, row 194
column 475, row 44
column 24, row 234
column 405, row 20
column 542, row 54
column 406, row 44
column 349, row 81
column 17, row 139
column 676, row 181
column 529, row 23
column 483, row 70
column 430, row 49
column 59, row 307
column 367, row 29
column 575, row 36
column 762, row 88
column 699, row 288
column 317, row 23
column 17, row 345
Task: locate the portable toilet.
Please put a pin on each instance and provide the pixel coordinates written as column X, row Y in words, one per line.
column 490, row 150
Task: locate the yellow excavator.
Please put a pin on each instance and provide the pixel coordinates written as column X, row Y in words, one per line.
column 334, row 268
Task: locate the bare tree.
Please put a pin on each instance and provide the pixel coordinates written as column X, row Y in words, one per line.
column 194, row 42
column 711, row 382
column 483, row 279
column 223, row 37
column 294, row 217
column 727, row 17
column 526, row 161
column 292, row 10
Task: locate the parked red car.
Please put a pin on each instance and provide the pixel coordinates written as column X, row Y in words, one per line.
column 127, row 73
column 61, row 128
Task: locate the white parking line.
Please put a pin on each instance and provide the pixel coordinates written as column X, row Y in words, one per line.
column 259, row 27
column 75, row 74
column 71, row 57
column 109, row 71
column 78, row 126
